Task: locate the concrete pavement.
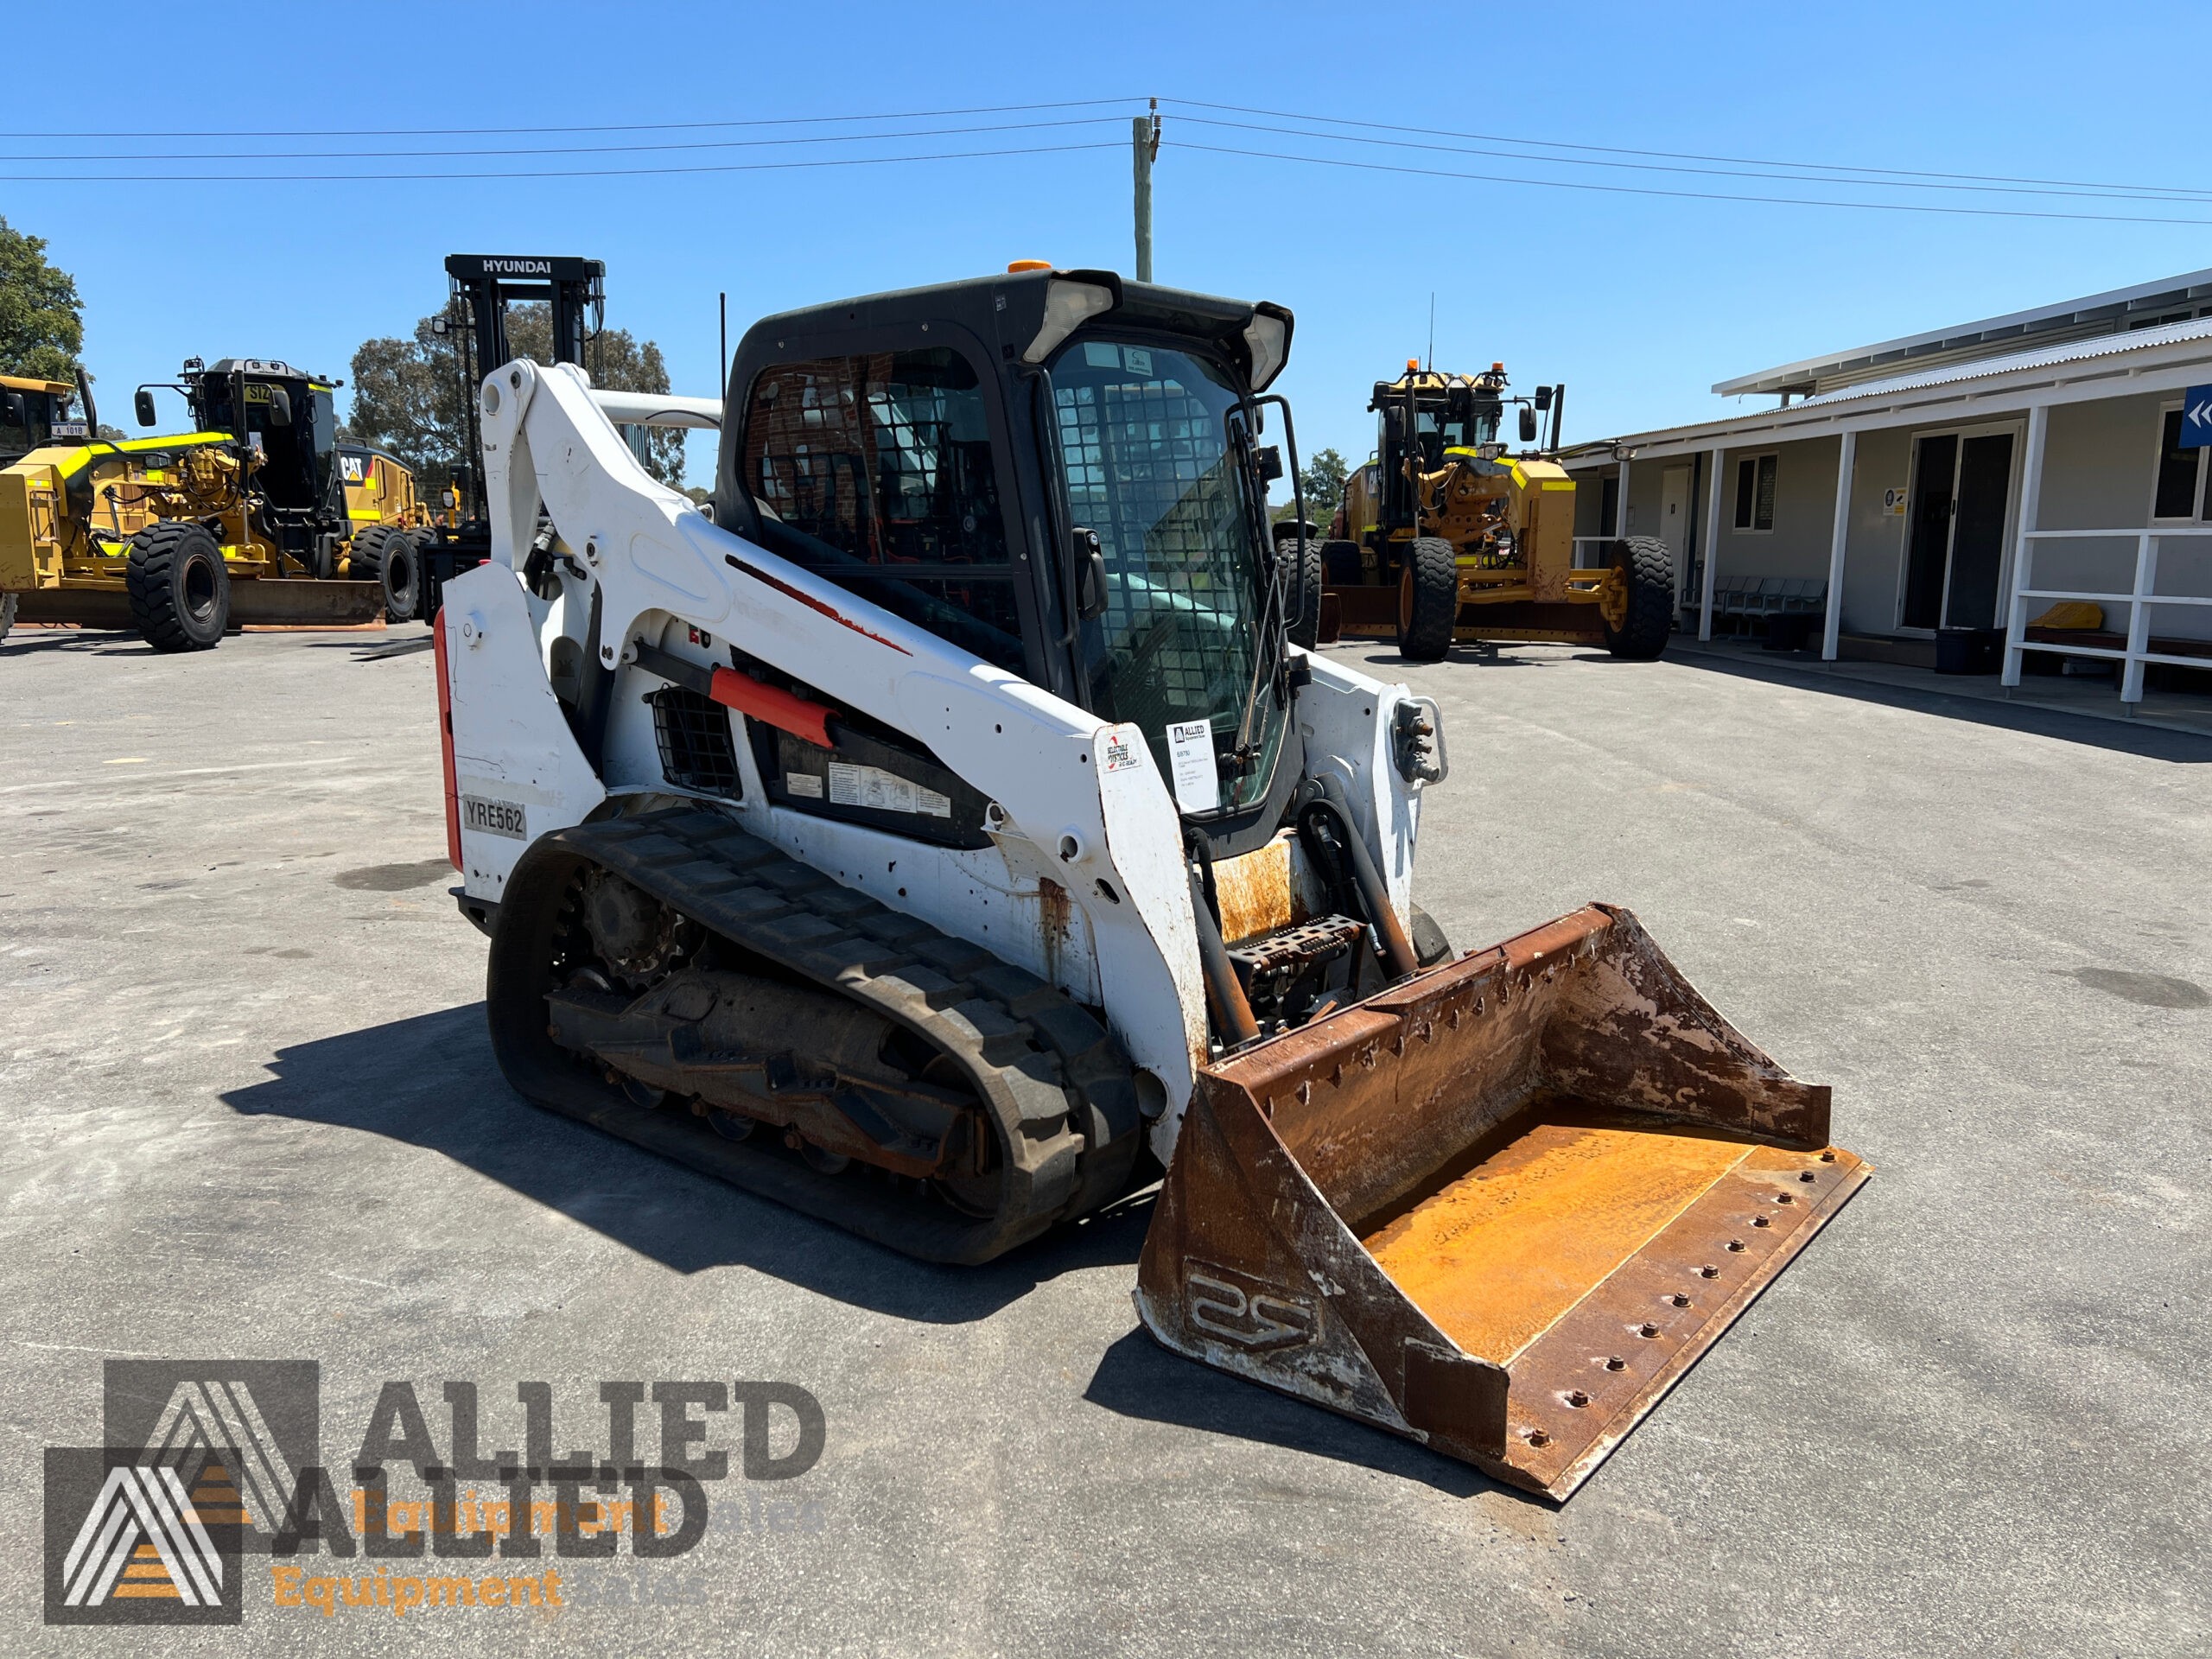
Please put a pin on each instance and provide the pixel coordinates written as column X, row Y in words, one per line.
column 250, row 1111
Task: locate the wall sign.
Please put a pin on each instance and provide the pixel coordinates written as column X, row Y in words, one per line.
column 2196, row 417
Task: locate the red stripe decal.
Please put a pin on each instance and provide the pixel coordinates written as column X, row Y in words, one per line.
column 811, row 603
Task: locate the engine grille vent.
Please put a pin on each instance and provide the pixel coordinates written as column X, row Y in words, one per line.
column 696, row 750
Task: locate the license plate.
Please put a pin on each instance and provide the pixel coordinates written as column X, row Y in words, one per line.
column 493, row 818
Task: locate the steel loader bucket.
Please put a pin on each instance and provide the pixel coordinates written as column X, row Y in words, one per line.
column 1500, row 1208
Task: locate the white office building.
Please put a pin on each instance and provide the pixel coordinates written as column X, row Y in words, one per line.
column 2032, row 473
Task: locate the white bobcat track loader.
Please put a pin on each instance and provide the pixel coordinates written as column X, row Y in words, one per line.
column 949, row 833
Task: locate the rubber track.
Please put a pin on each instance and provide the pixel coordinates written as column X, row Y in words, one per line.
column 1053, row 1076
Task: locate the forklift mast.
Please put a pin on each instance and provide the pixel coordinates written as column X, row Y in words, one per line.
column 483, row 286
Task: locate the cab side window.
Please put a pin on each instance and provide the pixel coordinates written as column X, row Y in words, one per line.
column 876, row 471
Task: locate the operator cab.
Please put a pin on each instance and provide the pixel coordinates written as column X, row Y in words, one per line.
column 290, row 418
column 35, row 413
column 1059, row 472
column 1442, row 413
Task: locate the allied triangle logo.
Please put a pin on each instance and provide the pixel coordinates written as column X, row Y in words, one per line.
column 127, row 1542
column 211, row 1424
column 141, row 1540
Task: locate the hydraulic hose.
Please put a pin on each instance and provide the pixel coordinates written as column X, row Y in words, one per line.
column 1328, row 794
column 1231, row 1009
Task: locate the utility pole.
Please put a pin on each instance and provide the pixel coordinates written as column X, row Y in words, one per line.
column 723, row 372
column 1144, row 142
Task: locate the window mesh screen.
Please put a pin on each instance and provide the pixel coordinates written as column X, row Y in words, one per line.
column 696, row 750
column 1148, row 470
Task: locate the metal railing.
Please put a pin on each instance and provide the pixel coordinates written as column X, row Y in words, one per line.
column 2141, row 600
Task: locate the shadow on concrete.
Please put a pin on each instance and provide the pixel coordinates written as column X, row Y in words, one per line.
column 431, row 1081
column 1138, row 1378
column 1389, row 665
column 25, row 639
column 2151, row 742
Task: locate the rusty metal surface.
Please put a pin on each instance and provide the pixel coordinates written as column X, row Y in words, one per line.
column 1258, row 893
column 1766, row 1205
column 1563, row 1111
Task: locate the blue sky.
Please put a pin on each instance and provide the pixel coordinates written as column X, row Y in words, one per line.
column 1639, row 303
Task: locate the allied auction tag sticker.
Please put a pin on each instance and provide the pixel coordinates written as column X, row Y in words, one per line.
column 1122, row 750
column 1190, row 756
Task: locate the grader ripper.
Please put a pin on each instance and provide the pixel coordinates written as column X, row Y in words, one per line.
column 1444, row 535
column 946, row 837
column 241, row 522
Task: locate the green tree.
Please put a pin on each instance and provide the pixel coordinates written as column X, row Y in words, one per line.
column 42, row 319
column 1322, row 481
column 407, row 393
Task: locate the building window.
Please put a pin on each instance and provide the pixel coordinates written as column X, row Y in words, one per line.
column 1755, row 493
column 2183, row 490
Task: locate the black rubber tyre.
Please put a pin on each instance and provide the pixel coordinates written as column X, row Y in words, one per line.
column 365, row 558
column 1428, row 600
column 1341, row 566
column 7, row 614
column 1302, row 592
column 1649, row 568
column 400, row 568
column 179, row 588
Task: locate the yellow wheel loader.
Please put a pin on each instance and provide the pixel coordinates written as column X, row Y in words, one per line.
column 946, row 837
column 241, row 522
column 1445, row 535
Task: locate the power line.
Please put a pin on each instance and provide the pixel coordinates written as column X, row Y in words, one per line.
column 553, row 149
column 1700, row 195
column 561, row 172
column 1675, row 155
column 633, row 126
column 2100, row 193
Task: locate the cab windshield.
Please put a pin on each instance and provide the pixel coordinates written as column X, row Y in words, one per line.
column 39, row 411
column 1144, row 441
column 1439, row 431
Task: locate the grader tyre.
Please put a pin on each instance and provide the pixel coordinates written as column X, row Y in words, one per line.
column 401, row 571
column 1341, row 565
column 179, row 586
column 1648, row 570
column 365, row 558
column 1302, row 601
column 7, row 614
column 1428, row 600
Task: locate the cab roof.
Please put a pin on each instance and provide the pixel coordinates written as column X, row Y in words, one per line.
column 267, row 368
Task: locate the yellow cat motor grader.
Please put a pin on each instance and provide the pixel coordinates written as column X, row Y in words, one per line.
column 1445, row 535
column 181, row 537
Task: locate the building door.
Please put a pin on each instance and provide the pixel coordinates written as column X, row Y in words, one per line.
column 1674, row 510
column 1960, row 504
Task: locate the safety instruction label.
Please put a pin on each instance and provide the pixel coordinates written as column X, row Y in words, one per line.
column 884, row 791
column 1190, row 756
